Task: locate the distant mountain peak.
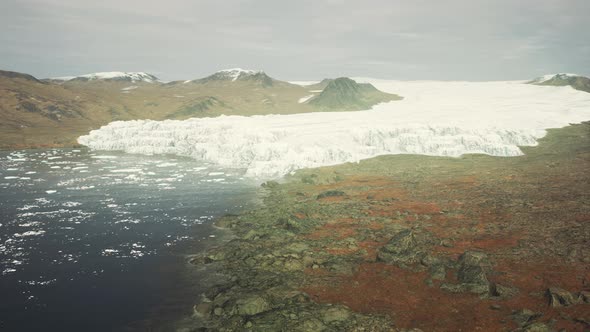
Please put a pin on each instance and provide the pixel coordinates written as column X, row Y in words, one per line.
column 112, row 76
column 239, row 74
column 235, row 73
column 577, row 82
column 559, row 76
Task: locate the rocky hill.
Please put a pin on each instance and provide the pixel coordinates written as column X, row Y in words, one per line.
column 115, row 76
column 346, row 94
column 575, row 81
column 54, row 112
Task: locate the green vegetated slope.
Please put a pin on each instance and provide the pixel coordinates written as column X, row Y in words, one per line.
column 54, row 112
column 346, row 94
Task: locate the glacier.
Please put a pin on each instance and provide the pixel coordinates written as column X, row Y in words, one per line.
column 434, row 118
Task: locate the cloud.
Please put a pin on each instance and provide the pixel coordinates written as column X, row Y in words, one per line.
column 422, row 39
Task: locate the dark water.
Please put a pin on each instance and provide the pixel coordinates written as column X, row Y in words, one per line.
column 96, row 241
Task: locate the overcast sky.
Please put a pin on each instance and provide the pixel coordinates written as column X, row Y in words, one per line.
column 298, row 40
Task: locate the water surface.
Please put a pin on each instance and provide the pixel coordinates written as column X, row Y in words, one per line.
column 96, row 241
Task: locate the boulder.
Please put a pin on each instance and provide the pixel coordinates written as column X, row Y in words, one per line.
column 524, row 317
column 252, row 305
column 203, row 309
column 403, row 248
column 336, row 314
column 559, row 297
column 472, row 274
column 331, row 193
column 584, row 297
column 537, row 327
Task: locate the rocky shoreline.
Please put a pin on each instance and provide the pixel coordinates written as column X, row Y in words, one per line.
column 412, row 243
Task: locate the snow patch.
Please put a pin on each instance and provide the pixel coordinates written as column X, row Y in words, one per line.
column 304, row 99
column 235, row 73
column 131, row 76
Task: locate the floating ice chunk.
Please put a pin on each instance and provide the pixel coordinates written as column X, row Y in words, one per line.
column 166, row 164
column 28, row 207
column 30, row 172
column 29, row 233
column 126, row 170
column 30, row 224
column 136, row 253
column 10, row 177
column 109, row 252
column 51, row 191
column 42, row 201
column 104, row 157
column 71, row 204
column 216, row 173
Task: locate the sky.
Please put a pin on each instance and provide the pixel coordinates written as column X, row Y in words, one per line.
column 298, row 40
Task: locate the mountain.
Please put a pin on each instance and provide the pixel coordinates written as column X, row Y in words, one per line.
column 12, row 74
column 344, row 94
column 321, row 85
column 238, row 74
column 577, row 82
column 117, row 76
column 55, row 112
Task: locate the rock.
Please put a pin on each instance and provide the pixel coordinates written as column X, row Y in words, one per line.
column 252, row 235
column 472, row 268
column 560, row 297
column 402, row 248
column 495, row 307
column 270, row 184
column 500, row 291
column 584, row 297
column 446, row 243
column 537, row 327
column 298, row 247
column 336, row 314
column 311, row 325
column 437, row 272
column 203, row 309
column 524, row 317
column 331, row 193
column 475, row 258
column 472, row 275
column 218, row 311
column 252, row 305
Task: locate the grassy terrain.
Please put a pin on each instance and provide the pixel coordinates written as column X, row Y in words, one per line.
column 401, row 242
column 37, row 114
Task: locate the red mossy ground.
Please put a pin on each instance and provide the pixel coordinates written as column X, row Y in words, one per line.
column 463, row 215
column 404, row 294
